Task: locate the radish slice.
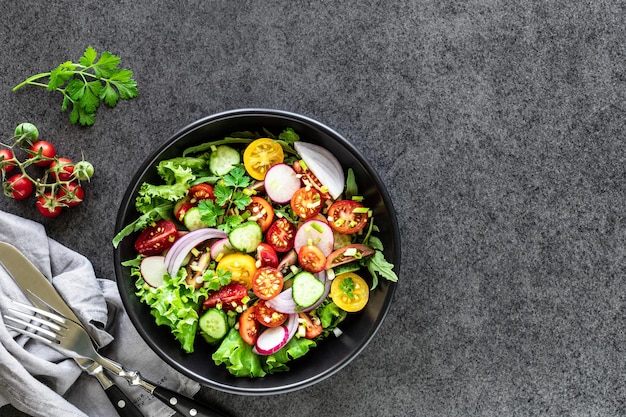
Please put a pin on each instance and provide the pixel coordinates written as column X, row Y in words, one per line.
column 324, row 165
column 177, row 253
column 281, row 182
column 220, row 248
column 317, row 233
column 274, row 338
column 153, row 270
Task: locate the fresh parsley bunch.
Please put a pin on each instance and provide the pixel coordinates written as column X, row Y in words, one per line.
column 86, row 83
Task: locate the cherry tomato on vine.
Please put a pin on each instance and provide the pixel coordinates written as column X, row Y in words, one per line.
column 306, row 202
column 311, row 258
column 249, row 326
column 71, row 194
column 269, row 317
column 48, row 205
column 19, row 187
column 281, row 235
column 347, row 216
column 6, row 162
column 261, row 211
column 260, row 155
column 62, row 169
column 155, row 239
column 42, row 149
column 267, row 282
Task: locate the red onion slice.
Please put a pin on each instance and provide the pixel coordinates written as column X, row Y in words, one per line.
column 177, row 253
column 324, row 165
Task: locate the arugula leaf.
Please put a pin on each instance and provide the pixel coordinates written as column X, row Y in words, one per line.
column 87, row 83
column 378, row 265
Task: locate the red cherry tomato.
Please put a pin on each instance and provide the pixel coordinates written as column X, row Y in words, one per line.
column 267, row 282
column 42, row 149
column 249, row 326
column 306, row 202
column 261, row 211
column 62, row 168
column 312, row 325
column 19, row 187
column 311, row 258
column 181, row 210
column 71, row 194
column 155, row 239
column 281, row 235
column 343, row 219
column 266, row 256
column 269, row 317
column 6, row 162
column 48, row 205
column 229, row 296
column 201, row 192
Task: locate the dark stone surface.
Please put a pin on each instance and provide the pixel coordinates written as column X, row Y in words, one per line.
column 498, row 127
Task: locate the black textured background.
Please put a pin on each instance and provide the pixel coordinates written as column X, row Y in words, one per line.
column 498, row 127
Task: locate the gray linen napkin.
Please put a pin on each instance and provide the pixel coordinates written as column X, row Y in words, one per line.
column 40, row 381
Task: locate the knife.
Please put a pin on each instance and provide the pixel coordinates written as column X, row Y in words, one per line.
column 31, row 280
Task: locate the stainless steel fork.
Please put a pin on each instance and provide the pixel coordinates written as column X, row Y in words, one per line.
column 72, row 340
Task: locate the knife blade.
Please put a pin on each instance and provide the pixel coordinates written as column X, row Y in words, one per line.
column 37, row 288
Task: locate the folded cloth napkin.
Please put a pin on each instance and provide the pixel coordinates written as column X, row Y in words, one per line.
column 40, row 381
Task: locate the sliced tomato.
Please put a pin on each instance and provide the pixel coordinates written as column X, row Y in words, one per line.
column 311, row 258
column 350, row 292
column 266, row 256
column 241, row 266
column 306, row 202
column 201, row 192
column 261, row 155
column 267, row 282
column 229, row 297
column 269, row 317
column 261, row 211
column 312, row 325
column 343, row 218
column 348, row 253
column 309, row 178
column 249, row 326
column 181, row 209
column 281, row 235
column 155, row 239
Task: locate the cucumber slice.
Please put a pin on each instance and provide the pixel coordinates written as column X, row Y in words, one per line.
column 349, row 267
column 306, row 289
column 214, row 324
column 223, row 159
column 193, row 219
column 246, row 237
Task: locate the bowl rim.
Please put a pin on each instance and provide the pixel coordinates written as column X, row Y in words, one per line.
column 394, row 229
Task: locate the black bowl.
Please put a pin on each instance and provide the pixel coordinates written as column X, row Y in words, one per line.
column 332, row 354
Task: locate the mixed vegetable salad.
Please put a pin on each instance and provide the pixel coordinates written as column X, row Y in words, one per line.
column 259, row 244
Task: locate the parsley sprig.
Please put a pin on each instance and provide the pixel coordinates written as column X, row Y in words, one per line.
column 230, row 200
column 86, row 83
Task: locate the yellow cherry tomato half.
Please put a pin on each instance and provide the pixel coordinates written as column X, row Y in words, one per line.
column 241, row 266
column 350, row 292
column 260, row 155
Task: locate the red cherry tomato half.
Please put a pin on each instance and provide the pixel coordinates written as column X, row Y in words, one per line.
column 6, row 160
column 311, row 258
column 19, row 187
column 249, row 326
column 306, row 202
column 155, row 239
column 261, row 211
column 343, row 218
column 71, row 194
column 44, row 150
column 312, row 325
column 48, row 205
column 229, row 296
column 269, row 317
column 62, row 168
column 266, row 256
column 267, row 282
column 281, row 235
column 181, row 210
column 201, row 192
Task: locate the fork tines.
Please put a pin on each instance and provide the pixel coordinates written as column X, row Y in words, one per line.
column 53, row 323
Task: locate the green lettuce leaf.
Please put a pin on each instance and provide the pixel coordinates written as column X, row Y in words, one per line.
column 296, row 348
column 238, row 357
